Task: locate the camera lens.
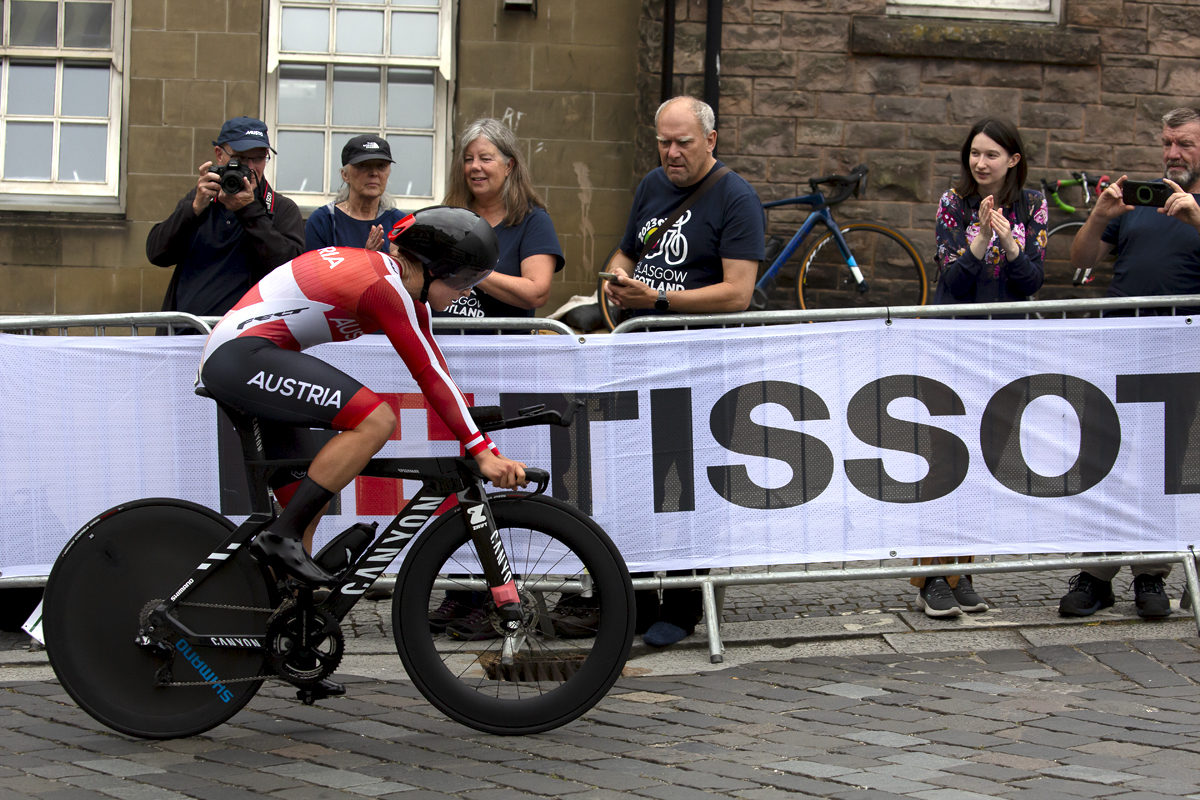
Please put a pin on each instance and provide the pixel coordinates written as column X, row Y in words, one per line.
column 1145, row 194
column 231, row 183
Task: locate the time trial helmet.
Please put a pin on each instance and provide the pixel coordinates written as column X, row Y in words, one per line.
column 451, row 244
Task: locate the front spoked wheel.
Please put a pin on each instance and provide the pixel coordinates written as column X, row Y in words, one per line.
column 573, row 639
column 891, row 267
column 99, row 593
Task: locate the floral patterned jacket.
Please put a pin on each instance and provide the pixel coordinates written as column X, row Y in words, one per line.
column 963, row 278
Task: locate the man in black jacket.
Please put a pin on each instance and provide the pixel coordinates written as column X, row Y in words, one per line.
column 221, row 244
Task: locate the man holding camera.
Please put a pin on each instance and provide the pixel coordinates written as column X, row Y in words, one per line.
column 1155, row 228
column 231, row 230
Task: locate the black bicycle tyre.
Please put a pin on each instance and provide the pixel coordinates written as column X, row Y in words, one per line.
column 893, row 284
column 113, row 567
column 609, row 312
column 475, row 701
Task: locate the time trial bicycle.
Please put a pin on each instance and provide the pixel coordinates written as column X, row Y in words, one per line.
column 160, row 624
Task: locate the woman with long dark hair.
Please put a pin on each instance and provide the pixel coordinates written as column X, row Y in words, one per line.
column 991, row 231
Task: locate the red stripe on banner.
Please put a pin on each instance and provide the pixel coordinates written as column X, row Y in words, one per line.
column 284, row 493
column 359, row 408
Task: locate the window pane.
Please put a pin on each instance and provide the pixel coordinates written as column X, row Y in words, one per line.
column 82, row 152
column 298, row 165
column 410, row 98
column 412, row 174
column 359, row 32
column 301, row 95
column 356, row 96
column 27, row 148
column 366, row 2
column 85, row 91
column 414, row 33
column 305, row 30
column 31, row 89
column 87, row 25
column 337, row 142
column 34, row 24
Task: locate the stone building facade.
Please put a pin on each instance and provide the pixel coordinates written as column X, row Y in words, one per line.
column 808, row 87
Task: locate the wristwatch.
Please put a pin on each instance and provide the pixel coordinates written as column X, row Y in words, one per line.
column 662, row 303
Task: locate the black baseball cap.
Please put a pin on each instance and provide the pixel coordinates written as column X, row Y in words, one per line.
column 244, row 133
column 367, row 147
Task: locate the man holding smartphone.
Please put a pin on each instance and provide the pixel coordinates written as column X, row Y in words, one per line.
column 1155, row 229
column 1158, row 248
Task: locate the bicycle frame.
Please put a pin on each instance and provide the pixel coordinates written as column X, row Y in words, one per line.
column 441, row 477
column 822, row 214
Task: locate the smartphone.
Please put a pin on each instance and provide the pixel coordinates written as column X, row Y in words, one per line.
column 1145, row 193
column 610, row 276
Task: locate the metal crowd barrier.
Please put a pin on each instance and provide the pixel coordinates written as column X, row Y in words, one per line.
column 100, row 323
column 486, row 324
column 1040, row 309
column 712, row 586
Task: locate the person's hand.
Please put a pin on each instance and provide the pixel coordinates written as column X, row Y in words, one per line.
column 245, row 197
column 375, row 238
column 206, row 189
column 1003, row 229
column 627, row 292
column 1181, row 205
column 986, row 206
column 501, row 472
column 1110, row 204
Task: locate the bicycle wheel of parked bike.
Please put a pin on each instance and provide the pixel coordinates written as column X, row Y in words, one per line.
column 114, row 570
column 559, row 664
column 610, row 312
column 891, row 267
column 1058, row 250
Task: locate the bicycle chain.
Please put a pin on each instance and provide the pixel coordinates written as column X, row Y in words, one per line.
column 164, row 670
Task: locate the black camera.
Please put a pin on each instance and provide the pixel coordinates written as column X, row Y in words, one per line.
column 231, row 176
column 1145, row 193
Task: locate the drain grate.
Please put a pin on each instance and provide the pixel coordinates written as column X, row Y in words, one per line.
column 533, row 669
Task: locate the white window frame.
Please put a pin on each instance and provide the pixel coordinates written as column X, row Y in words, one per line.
column 69, row 196
column 442, row 65
column 1047, row 11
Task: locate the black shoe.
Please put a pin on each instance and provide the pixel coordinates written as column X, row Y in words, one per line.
column 576, row 616
column 287, row 556
column 1086, row 595
column 937, row 600
column 325, row 688
column 1150, row 597
column 451, row 610
column 474, row 627
column 966, row 596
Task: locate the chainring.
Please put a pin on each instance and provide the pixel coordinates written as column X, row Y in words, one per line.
column 304, row 645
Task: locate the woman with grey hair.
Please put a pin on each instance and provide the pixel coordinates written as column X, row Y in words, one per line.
column 363, row 212
column 490, row 177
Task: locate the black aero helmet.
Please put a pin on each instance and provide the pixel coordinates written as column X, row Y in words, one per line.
column 452, row 244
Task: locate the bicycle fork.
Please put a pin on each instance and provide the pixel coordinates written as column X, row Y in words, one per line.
column 486, row 538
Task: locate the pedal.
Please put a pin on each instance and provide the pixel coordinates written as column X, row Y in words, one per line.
column 320, row 691
column 345, row 548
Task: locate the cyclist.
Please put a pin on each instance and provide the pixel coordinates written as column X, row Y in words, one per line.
column 253, row 360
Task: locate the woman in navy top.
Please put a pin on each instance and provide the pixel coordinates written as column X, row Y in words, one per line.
column 363, row 211
column 490, row 177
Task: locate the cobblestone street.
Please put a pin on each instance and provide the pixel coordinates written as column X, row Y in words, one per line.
column 849, row 694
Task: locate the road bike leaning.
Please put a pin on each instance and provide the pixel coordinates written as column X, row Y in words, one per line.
column 160, row 624
column 1060, row 248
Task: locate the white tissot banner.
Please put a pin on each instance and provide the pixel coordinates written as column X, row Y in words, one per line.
column 709, row 448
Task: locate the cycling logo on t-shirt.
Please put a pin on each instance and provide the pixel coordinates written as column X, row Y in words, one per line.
column 673, row 245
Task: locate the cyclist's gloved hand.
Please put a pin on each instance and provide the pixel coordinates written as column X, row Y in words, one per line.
column 501, row 472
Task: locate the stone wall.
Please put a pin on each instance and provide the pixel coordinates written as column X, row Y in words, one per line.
column 192, row 64
column 564, row 82
column 813, row 87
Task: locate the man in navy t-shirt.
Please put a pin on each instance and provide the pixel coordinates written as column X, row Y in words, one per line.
column 706, row 263
column 708, row 260
column 1158, row 253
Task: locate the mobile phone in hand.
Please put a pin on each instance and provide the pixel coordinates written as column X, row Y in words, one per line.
column 1145, row 193
column 610, row 276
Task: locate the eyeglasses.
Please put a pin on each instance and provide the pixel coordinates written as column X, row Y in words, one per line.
column 248, row 159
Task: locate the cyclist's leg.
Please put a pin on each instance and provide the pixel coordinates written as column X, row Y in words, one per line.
column 259, row 377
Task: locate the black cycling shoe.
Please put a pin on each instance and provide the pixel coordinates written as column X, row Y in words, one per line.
column 288, row 556
column 1150, row 597
column 326, row 688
